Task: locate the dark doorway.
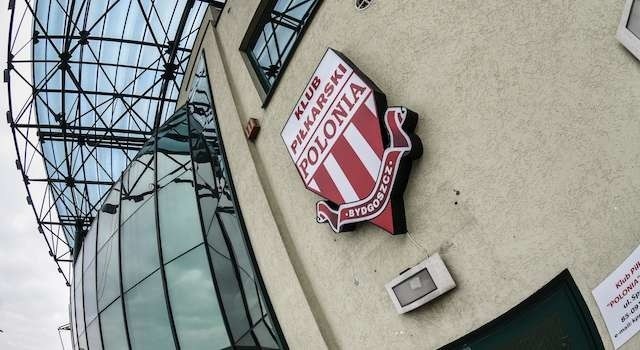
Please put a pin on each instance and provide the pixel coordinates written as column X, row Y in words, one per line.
column 555, row 317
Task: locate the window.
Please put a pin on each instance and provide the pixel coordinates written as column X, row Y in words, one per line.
column 147, row 315
column 629, row 28
column 78, row 302
column 108, row 273
column 273, row 35
column 93, row 335
column 177, row 207
column 108, row 222
column 196, row 313
column 139, row 246
column 112, row 323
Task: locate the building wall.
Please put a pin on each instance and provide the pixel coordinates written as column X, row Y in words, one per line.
column 528, row 109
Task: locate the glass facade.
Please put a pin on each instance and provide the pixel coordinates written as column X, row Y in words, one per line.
column 107, row 74
column 167, row 263
column 88, row 82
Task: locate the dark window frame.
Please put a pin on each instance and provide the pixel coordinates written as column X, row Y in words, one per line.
column 261, row 18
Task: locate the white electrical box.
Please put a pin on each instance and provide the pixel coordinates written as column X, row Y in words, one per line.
column 420, row 284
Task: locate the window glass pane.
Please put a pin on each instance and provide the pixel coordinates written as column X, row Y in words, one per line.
column 109, row 210
column 282, row 5
column 272, row 42
column 112, row 322
column 147, row 315
column 230, row 293
column 634, row 19
column 93, row 335
column 178, row 213
column 139, row 245
column 108, row 273
column 214, row 232
column 83, row 342
column 137, row 184
column 77, row 292
column 89, row 285
column 247, row 277
column 269, row 323
column 216, row 238
column 89, row 245
column 264, row 336
column 72, row 317
column 208, row 184
column 171, row 165
column 299, row 9
column 247, row 342
column 173, row 148
column 204, row 172
column 199, row 322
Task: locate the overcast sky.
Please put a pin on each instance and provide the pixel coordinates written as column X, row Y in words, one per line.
column 33, row 297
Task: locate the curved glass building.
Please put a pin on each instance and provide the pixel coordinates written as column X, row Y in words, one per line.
column 133, row 193
column 167, row 263
column 526, row 196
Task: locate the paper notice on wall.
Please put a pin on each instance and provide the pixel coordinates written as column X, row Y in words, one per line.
column 618, row 298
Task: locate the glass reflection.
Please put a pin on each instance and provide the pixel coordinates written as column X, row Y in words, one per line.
column 139, row 245
column 282, row 24
column 90, row 301
column 265, row 336
column 77, row 292
column 72, row 317
column 82, row 342
column 633, row 24
column 113, row 332
column 241, row 291
column 196, row 313
column 229, row 288
column 108, row 287
column 147, row 316
column 178, row 213
column 90, row 243
column 93, row 335
column 245, row 267
column 137, row 184
column 109, row 215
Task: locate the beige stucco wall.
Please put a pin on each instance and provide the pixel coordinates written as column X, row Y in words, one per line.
column 529, row 108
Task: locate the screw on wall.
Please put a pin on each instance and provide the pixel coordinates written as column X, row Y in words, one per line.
column 457, row 193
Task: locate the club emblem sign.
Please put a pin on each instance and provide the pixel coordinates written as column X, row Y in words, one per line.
column 350, row 148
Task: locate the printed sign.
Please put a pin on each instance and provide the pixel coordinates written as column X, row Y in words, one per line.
column 350, row 149
column 618, row 298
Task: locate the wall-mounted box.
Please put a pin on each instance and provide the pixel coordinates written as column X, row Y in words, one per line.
column 251, row 129
column 420, row 284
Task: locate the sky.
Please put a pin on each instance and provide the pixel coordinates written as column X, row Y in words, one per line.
column 34, row 300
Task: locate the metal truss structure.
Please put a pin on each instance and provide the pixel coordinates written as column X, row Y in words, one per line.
column 88, row 81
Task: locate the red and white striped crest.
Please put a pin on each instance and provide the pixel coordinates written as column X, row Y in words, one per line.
column 335, row 137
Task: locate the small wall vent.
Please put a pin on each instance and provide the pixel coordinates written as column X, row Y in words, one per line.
column 362, row 5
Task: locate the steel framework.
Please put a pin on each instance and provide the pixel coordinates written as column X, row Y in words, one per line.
column 88, row 81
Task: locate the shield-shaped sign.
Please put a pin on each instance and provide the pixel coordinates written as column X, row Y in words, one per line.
column 350, row 148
